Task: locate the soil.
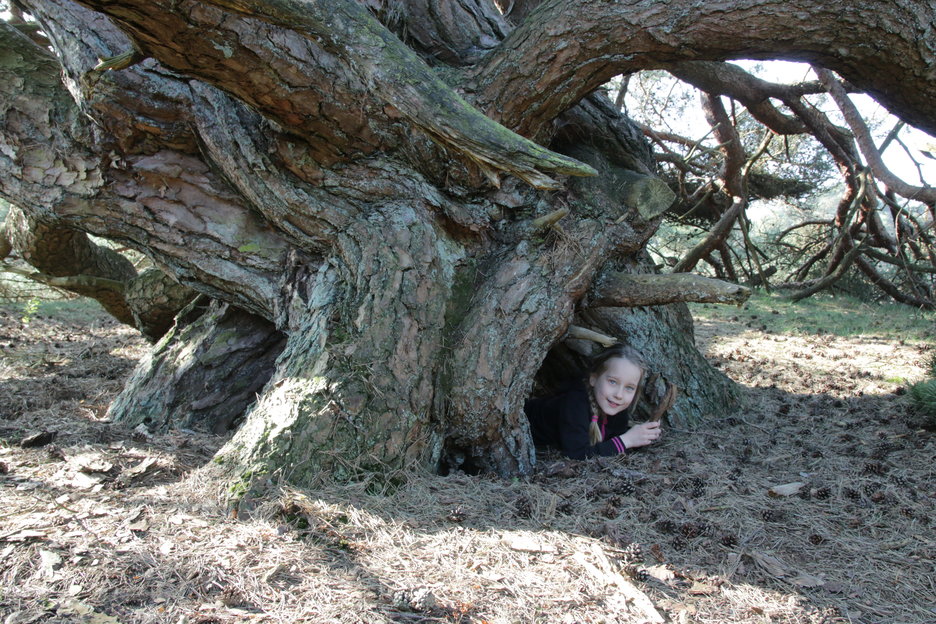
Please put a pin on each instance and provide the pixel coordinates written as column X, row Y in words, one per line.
column 812, row 503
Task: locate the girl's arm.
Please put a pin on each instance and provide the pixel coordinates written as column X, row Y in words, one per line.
column 574, row 421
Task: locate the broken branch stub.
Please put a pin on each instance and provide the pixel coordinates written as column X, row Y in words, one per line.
column 616, row 289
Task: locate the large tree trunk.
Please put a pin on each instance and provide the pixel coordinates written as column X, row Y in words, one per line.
column 297, row 161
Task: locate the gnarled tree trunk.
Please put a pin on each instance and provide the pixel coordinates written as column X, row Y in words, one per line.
column 298, row 161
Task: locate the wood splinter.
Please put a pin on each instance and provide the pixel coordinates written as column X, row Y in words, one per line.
column 548, row 220
column 122, row 61
column 667, row 402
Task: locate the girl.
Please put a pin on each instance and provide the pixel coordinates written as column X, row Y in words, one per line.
column 592, row 420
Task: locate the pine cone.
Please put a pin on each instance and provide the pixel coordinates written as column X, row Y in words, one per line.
column 771, row 515
column 523, row 508
column 875, row 468
column 690, row 530
column 851, row 494
column 633, row 553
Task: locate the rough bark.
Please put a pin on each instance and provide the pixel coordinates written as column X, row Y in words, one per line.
column 615, row 289
column 300, row 163
column 203, row 374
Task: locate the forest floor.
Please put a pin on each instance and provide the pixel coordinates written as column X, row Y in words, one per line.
column 814, row 502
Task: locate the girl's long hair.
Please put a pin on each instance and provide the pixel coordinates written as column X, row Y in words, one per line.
column 596, row 367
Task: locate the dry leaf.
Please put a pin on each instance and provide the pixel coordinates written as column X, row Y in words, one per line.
column 84, row 481
column 807, row 580
column 23, row 535
column 49, row 562
column 140, row 525
column 140, row 468
column 787, row 489
column 702, row 589
column 73, row 607
column 524, row 543
column 661, row 573
column 92, row 463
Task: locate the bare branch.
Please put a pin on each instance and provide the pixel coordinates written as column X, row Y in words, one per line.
column 868, row 149
column 583, row 333
column 535, row 75
column 616, row 289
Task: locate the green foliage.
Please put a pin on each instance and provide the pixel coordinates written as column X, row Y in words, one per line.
column 923, row 395
column 30, row 309
column 931, row 364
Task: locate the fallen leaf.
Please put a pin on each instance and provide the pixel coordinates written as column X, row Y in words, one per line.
column 139, row 526
column 524, row 543
column 807, row 580
column 84, row 481
column 73, row 607
column 787, row 489
column 49, row 562
column 702, row 589
column 661, row 573
column 140, row 468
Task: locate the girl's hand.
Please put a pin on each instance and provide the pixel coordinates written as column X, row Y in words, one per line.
column 642, row 434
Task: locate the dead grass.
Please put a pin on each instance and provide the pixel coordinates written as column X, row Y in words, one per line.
column 105, row 526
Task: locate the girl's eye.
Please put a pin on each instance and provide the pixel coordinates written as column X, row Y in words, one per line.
column 612, row 382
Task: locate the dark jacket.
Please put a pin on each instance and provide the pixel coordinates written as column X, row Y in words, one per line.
column 562, row 422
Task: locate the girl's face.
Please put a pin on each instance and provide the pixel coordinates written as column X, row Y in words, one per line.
column 615, row 388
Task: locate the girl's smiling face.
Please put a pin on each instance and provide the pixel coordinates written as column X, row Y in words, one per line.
column 614, row 389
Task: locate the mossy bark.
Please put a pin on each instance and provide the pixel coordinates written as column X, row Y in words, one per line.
column 203, row 374
column 394, row 288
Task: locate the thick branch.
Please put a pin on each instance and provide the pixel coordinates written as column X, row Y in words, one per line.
column 168, row 203
column 866, row 144
column 403, row 80
column 883, row 257
column 754, row 93
column 535, row 73
column 616, row 289
column 887, row 286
